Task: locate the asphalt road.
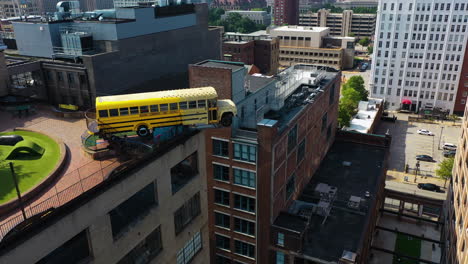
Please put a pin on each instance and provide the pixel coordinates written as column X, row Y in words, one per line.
column 413, row 189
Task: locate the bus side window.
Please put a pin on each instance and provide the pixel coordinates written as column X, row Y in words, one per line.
column 193, row 104
column 123, row 111
column 212, row 103
column 173, row 106
column 163, row 107
column 201, row 103
column 154, row 108
column 144, row 109
column 103, row 113
column 134, row 110
column 114, row 112
column 183, row 105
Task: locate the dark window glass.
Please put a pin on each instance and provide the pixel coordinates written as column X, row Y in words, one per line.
column 223, row 242
column 73, row 251
column 134, row 110
column 244, row 203
column 144, row 109
column 146, row 250
column 163, row 107
column 173, row 106
column 244, row 249
column 193, row 104
column 114, row 112
column 220, row 148
column 221, row 197
column 301, row 151
column 222, row 220
column 183, row 172
column 290, row 186
column 245, row 152
column 222, row 260
column 324, row 121
column 292, row 138
column 221, row 172
column 154, row 108
column 183, row 105
column 244, row 177
column 186, row 213
column 201, row 103
column 332, row 94
column 132, row 209
column 103, row 113
column 244, row 226
column 123, row 111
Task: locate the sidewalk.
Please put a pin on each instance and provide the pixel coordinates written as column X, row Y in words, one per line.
column 399, row 176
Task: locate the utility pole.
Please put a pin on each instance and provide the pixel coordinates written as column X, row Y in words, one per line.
column 17, row 190
column 440, row 136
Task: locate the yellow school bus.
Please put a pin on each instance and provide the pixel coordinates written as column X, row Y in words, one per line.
column 142, row 112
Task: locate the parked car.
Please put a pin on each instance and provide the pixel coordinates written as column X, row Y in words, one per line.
column 364, row 66
column 10, row 140
column 424, row 158
column 425, row 132
column 449, row 153
column 450, row 146
column 429, row 187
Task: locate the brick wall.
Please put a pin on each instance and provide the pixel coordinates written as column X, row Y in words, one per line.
column 220, row 79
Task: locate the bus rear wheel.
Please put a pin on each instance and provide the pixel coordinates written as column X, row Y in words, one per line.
column 143, row 131
column 226, row 120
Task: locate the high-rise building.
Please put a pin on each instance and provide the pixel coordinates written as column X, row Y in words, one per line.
column 455, row 233
column 462, row 92
column 341, row 24
column 286, row 12
column 418, row 53
column 13, row 8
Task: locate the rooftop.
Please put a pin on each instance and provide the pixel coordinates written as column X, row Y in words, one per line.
column 329, row 235
column 258, row 81
column 304, row 29
column 365, row 116
column 234, row 66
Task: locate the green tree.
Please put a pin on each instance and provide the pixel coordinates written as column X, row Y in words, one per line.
column 214, row 16
column 344, row 114
column 364, row 10
column 364, row 41
column 454, row 118
column 445, row 169
column 357, row 83
column 370, row 50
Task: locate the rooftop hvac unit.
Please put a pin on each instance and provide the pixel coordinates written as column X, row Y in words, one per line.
column 354, row 202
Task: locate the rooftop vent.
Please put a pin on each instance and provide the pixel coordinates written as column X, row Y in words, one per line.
column 348, row 257
column 354, row 202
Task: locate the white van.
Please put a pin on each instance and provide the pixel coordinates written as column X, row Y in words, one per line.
column 450, row 146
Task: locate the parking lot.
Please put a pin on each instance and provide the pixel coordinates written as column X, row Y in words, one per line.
column 407, row 143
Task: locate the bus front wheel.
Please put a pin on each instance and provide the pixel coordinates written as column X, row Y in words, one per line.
column 143, row 131
column 226, row 120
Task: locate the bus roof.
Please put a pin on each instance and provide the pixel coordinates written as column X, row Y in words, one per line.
column 191, row 93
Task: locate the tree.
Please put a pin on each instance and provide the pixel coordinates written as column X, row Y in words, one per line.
column 214, row 16
column 370, row 50
column 344, row 114
column 357, row 83
column 364, row 41
column 454, row 118
column 445, row 169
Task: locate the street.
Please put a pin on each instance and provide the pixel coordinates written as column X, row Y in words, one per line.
column 413, row 189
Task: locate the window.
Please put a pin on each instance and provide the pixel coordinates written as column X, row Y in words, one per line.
column 325, row 120
column 183, row 105
column 220, row 148
column 292, row 138
column 221, row 197
column 192, row 247
column 280, row 259
column 244, row 203
column 201, row 103
column 144, row 109
column 222, row 220
column 244, row 249
column 173, row 106
column 221, row 172
column 103, row 113
column 154, row 108
column 244, row 226
column 163, row 107
column 244, row 177
column 146, row 250
column 186, row 213
column 223, row 242
column 123, row 111
column 332, row 94
column 134, row 110
column 280, row 240
column 183, row 172
column 113, row 112
column 301, row 151
column 132, row 209
column 290, row 186
column 245, row 152
column 75, row 250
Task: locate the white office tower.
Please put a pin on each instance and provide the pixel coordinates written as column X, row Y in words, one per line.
column 418, row 53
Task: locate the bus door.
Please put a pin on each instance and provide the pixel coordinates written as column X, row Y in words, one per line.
column 212, row 111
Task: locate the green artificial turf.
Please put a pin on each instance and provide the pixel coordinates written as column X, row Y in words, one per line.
column 30, row 168
column 409, row 247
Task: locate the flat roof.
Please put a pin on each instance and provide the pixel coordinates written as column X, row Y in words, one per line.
column 234, row 66
column 326, row 239
column 256, row 83
column 301, row 29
